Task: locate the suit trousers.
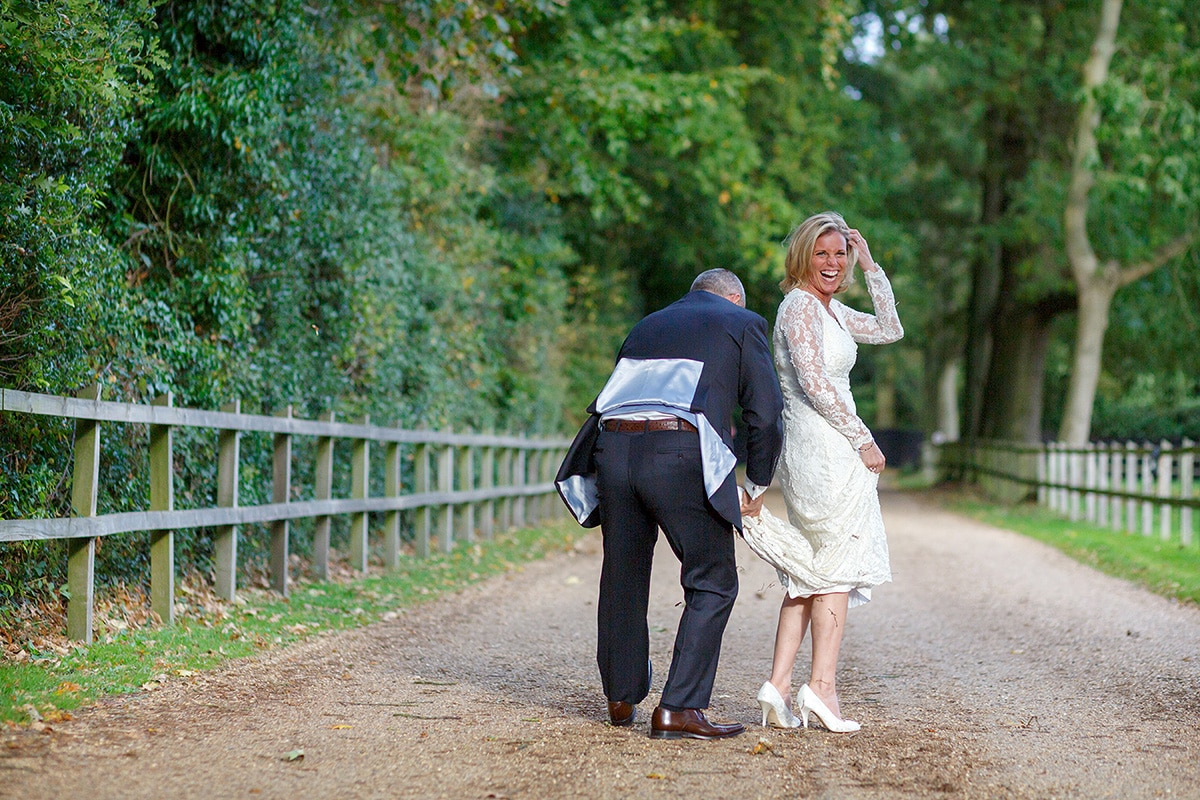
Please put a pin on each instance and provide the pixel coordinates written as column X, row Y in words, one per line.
column 648, row 481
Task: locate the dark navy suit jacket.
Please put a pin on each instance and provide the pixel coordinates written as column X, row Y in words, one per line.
column 718, row 352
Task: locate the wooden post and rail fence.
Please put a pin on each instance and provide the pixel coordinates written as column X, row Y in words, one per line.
column 1126, row 486
column 464, row 486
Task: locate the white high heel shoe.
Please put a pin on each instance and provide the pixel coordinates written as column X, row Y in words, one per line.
column 810, row 703
column 775, row 710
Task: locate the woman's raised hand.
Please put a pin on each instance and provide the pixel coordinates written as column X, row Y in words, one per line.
column 856, row 241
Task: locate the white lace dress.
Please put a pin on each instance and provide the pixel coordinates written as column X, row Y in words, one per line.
column 835, row 542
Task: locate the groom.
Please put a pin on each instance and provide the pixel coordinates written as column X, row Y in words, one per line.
column 657, row 452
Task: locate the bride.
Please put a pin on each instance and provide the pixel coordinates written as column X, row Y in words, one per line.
column 831, row 550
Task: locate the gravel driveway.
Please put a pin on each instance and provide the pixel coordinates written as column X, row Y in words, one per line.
column 992, row 666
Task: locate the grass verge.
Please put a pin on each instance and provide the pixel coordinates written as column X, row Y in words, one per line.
column 50, row 676
column 1168, row 568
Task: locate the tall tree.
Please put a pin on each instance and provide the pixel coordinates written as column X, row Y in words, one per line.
column 1011, row 72
column 1166, row 172
column 976, row 91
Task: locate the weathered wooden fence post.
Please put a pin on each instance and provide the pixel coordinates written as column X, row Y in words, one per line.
column 81, row 552
column 445, row 481
column 1041, row 474
column 1064, row 477
column 1091, row 480
column 1146, row 490
column 1058, row 476
column 1049, row 468
column 422, row 530
column 487, row 480
column 391, row 489
column 225, row 539
column 162, row 498
column 505, row 472
column 323, row 490
column 1103, row 503
column 281, row 490
column 1166, row 473
column 520, row 475
column 360, row 488
column 1075, row 479
column 466, row 482
column 545, row 473
column 1131, row 486
column 533, row 474
column 1116, row 511
column 1187, row 477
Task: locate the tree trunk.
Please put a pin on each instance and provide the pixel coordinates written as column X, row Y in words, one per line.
column 1013, row 405
column 947, row 401
column 1096, row 283
column 985, row 288
column 885, row 393
column 1095, row 299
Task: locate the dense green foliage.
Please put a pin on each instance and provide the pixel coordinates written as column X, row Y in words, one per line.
column 244, row 201
column 987, row 96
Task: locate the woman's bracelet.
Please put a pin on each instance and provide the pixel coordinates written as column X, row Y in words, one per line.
column 867, row 446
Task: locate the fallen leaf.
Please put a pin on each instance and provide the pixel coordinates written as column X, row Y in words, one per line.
column 67, row 687
column 294, row 755
column 762, row 746
column 341, row 727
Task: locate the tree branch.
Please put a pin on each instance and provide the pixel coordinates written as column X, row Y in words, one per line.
column 1173, row 249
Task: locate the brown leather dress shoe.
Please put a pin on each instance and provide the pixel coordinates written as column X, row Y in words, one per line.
column 621, row 714
column 689, row 724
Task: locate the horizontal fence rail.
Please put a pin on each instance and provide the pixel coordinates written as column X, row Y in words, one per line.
column 464, row 485
column 1126, row 486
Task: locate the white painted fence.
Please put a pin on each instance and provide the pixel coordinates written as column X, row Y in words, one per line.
column 1127, row 486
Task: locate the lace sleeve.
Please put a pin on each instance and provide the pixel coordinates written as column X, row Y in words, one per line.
column 882, row 327
column 802, row 323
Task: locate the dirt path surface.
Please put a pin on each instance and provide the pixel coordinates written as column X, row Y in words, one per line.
column 992, row 666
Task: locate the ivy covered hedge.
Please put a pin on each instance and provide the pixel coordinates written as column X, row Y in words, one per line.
column 242, row 200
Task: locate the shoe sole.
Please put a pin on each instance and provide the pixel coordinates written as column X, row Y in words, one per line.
column 657, row 734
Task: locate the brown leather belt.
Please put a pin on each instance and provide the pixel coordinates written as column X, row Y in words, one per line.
column 646, row 425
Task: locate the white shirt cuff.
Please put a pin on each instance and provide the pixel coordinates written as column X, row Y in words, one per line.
column 754, row 490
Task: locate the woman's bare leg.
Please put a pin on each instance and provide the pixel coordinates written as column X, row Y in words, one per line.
column 794, row 615
column 828, row 620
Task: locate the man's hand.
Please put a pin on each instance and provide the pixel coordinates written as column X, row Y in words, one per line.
column 750, row 508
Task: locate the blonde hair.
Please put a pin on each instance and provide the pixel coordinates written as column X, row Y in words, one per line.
column 802, row 241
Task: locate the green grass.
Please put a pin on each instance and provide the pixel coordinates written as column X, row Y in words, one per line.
column 1167, row 568
column 55, row 683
